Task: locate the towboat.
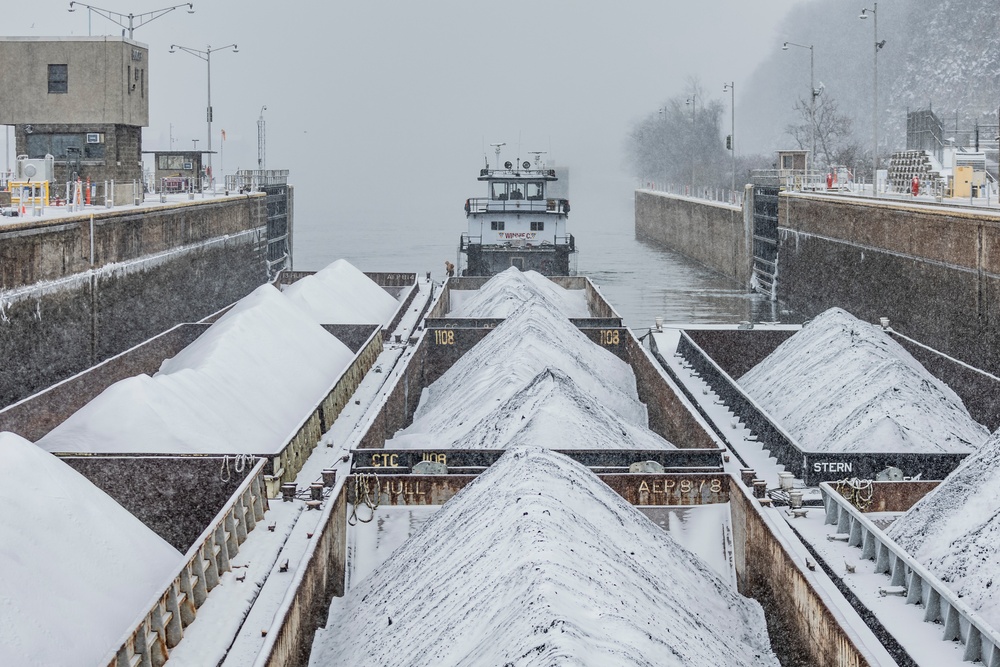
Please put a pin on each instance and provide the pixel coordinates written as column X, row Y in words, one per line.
column 517, row 223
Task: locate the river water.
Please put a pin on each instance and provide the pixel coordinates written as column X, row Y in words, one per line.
column 641, row 280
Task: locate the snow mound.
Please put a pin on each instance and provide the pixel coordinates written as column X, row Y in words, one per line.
column 78, row 569
column 843, row 385
column 551, row 411
column 538, row 562
column 342, row 294
column 242, row 387
column 954, row 531
column 505, row 292
column 506, row 361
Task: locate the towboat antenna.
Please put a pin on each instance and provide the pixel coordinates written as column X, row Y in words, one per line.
column 497, row 148
column 538, row 158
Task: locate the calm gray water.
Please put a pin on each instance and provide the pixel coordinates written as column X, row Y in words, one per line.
column 641, row 280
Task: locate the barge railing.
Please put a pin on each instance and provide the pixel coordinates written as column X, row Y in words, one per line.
column 941, row 604
column 148, row 642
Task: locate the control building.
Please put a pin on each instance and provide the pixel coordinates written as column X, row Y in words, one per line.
column 83, row 100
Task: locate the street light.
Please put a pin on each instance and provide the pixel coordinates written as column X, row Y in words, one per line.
column 261, row 139
column 813, row 94
column 731, row 89
column 206, row 55
column 878, row 46
column 693, row 100
column 119, row 18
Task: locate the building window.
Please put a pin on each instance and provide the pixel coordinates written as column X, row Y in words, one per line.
column 497, row 225
column 58, row 78
column 538, row 226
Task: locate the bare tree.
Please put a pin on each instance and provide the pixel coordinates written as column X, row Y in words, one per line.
column 681, row 142
column 835, row 141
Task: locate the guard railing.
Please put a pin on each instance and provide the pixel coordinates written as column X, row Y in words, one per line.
column 941, row 604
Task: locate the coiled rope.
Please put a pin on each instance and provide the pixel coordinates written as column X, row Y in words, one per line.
column 858, row 492
column 241, row 462
column 363, row 483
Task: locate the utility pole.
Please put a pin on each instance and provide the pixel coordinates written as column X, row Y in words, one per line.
column 731, row 87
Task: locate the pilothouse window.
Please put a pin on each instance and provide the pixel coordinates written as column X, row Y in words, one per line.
column 536, row 190
column 499, row 191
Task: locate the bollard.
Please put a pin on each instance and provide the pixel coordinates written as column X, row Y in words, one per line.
column 329, row 477
column 316, row 490
column 747, row 476
column 288, row 492
column 759, row 488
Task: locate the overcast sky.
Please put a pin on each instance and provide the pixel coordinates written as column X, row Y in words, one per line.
column 369, row 103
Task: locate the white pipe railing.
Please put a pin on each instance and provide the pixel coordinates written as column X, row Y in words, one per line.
column 941, row 604
column 161, row 627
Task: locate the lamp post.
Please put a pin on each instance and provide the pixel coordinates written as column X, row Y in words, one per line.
column 206, row 55
column 731, row 89
column 119, row 18
column 693, row 101
column 261, row 140
column 878, row 45
column 812, row 101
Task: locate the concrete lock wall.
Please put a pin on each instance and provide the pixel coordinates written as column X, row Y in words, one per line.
column 60, row 313
column 934, row 273
column 711, row 233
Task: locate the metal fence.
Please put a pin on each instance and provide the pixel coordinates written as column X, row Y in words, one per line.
column 908, row 577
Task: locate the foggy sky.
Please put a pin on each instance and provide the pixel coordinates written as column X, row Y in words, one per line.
column 382, row 109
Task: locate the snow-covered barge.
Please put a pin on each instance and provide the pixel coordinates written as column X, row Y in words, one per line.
column 391, row 452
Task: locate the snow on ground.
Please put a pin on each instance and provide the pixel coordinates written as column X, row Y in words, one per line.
column 342, row 294
column 506, row 361
column 550, row 411
column 505, row 292
column 78, row 569
column 843, row 385
column 537, row 562
column 242, row 387
column 954, row 530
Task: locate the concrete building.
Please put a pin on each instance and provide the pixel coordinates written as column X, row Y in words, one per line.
column 83, row 100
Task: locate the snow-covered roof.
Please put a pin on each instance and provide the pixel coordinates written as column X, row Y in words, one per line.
column 242, row 387
column 954, row 530
column 843, row 385
column 78, row 569
column 530, row 341
column 507, row 291
column 538, row 562
column 342, row 294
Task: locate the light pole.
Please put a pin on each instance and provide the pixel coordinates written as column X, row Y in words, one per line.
column 878, row 46
column 693, row 101
column 731, row 88
column 812, row 102
column 261, row 140
column 119, row 18
column 206, row 55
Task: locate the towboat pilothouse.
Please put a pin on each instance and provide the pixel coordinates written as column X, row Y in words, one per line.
column 517, row 223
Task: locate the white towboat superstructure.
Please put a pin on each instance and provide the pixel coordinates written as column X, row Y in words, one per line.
column 517, row 224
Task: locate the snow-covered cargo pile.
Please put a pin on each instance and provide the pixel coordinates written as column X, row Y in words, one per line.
column 843, row 385
column 483, row 384
column 954, row 531
column 242, row 387
column 551, row 411
column 78, row 569
column 505, row 292
column 342, row 294
column 545, row 565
